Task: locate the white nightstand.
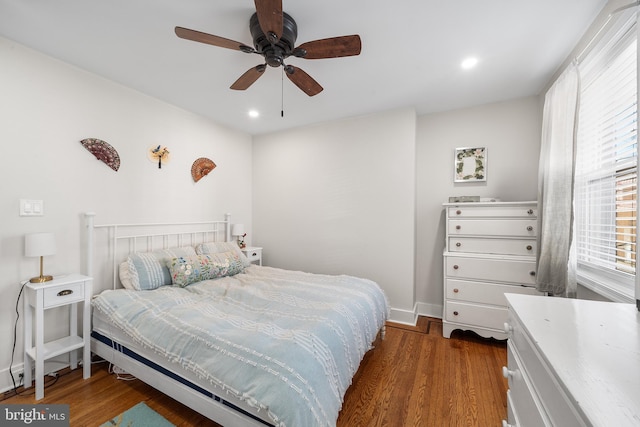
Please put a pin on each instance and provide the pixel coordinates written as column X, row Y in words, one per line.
column 61, row 291
column 253, row 253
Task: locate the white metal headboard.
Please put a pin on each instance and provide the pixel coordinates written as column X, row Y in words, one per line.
column 110, row 244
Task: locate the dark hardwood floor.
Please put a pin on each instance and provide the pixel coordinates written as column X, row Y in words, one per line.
column 414, row 377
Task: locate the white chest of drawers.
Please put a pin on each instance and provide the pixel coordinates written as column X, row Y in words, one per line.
column 572, row 363
column 490, row 250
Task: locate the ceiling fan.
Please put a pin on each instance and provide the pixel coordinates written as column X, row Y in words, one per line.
column 274, row 35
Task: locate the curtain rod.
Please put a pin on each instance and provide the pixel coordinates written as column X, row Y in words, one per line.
column 597, row 34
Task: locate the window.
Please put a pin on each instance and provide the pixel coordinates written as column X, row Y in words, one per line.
column 605, row 192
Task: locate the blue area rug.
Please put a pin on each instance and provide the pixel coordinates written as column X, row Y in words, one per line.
column 138, row 416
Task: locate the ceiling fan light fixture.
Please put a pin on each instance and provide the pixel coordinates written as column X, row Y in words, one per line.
column 274, row 35
column 254, row 114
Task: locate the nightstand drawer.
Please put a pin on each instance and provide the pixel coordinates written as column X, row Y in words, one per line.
column 254, row 255
column 63, row 294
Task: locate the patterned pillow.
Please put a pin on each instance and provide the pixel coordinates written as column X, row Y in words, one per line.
column 148, row 270
column 187, row 270
column 217, row 247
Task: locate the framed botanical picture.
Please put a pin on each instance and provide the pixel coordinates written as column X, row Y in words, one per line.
column 470, row 164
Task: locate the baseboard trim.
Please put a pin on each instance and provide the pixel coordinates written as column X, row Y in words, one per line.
column 406, row 317
column 5, row 377
column 429, row 310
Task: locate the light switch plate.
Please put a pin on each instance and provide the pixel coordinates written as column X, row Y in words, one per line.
column 31, row 207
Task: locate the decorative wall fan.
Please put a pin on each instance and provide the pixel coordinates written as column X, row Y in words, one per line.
column 159, row 154
column 103, row 152
column 201, row 167
column 274, row 35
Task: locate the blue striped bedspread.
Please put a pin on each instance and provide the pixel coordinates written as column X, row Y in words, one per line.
column 285, row 342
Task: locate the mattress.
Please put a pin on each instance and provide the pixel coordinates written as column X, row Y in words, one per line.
column 284, row 344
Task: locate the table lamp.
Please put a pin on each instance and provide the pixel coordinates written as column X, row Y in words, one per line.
column 238, row 231
column 40, row 244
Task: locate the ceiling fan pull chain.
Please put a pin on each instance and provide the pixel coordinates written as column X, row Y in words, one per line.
column 282, row 93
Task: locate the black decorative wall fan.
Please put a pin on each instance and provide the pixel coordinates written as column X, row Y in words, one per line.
column 274, row 35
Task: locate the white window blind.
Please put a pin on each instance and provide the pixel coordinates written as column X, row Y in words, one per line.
column 605, row 192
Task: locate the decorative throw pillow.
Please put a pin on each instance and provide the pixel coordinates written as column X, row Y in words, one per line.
column 125, row 276
column 187, row 270
column 148, row 270
column 217, row 247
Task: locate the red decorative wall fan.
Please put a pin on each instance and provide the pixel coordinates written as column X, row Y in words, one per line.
column 274, row 35
column 103, row 152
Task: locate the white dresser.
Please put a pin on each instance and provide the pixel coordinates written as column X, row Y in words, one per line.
column 572, row 363
column 490, row 250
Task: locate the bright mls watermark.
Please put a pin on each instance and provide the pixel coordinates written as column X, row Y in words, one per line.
column 34, row 415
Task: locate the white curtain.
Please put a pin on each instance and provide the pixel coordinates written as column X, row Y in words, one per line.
column 556, row 272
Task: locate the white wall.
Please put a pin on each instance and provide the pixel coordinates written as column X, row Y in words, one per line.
column 339, row 198
column 511, row 132
column 47, row 107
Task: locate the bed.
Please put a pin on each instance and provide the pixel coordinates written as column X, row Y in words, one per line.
column 181, row 308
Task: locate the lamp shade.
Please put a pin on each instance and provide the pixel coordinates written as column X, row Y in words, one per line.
column 39, row 244
column 237, row 229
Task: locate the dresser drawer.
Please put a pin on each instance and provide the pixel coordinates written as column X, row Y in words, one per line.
column 483, row 293
column 470, row 211
column 523, row 402
column 491, row 269
column 493, row 227
column 63, row 294
column 475, row 315
column 558, row 408
column 481, row 245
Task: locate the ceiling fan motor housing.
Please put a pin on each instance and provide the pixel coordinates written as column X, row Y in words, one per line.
column 274, row 50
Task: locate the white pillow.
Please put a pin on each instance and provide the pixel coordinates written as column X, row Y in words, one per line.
column 125, row 276
column 218, row 247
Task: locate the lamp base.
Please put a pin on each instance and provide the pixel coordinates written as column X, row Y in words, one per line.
column 41, row 279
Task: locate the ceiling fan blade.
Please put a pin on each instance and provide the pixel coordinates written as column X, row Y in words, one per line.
column 303, row 80
column 197, row 36
column 333, row 47
column 249, row 77
column 270, row 17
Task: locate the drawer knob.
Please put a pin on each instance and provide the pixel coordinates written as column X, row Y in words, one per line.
column 455, row 267
column 529, row 247
column 254, row 254
column 507, row 328
column 458, row 227
column 532, row 273
column 456, row 290
column 458, row 212
column 507, row 373
column 530, row 211
column 65, row 292
column 529, row 228
column 458, row 244
column 455, row 313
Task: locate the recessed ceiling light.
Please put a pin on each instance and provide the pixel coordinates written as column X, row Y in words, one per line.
column 469, row 63
column 253, row 113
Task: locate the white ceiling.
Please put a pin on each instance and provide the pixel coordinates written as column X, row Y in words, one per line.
column 411, row 52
